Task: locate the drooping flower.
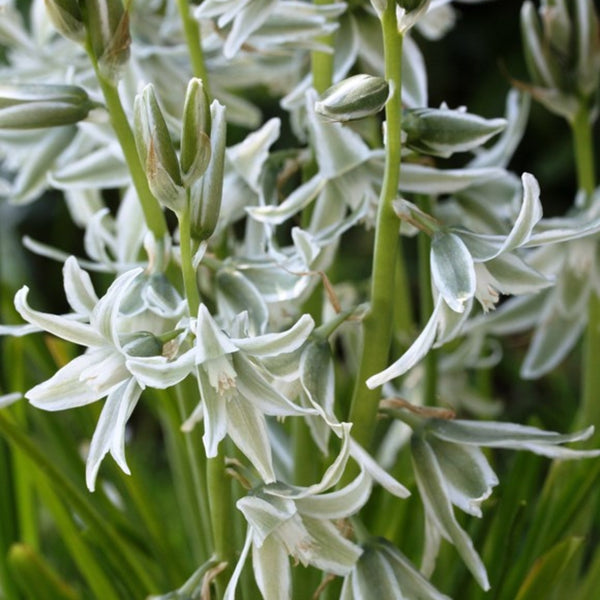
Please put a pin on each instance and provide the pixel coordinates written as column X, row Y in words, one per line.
column 451, row 470
column 286, row 520
column 466, row 266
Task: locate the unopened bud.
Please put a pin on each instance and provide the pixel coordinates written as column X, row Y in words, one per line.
column 353, row 98
column 442, row 132
column 67, row 18
column 207, row 192
column 156, row 151
column 195, row 130
column 108, row 26
column 562, row 52
column 33, row 106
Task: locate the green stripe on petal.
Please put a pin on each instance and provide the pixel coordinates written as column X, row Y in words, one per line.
column 435, row 496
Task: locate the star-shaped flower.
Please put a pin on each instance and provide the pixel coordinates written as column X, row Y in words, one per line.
column 111, row 340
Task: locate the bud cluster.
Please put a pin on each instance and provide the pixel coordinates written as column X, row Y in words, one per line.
column 195, row 175
column 562, row 51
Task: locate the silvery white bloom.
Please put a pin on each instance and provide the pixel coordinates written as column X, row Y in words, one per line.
column 236, row 391
column 111, row 340
column 286, row 520
column 382, row 571
column 467, row 266
column 347, row 177
column 270, row 24
column 451, row 469
column 558, row 315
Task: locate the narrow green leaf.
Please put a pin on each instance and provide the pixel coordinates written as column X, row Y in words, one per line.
column 548, row 570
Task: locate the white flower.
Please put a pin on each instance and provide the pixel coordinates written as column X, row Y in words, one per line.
column 236, row 392
column 102, row 370
column 451, row 470
column 467, row 266
column 294, row 521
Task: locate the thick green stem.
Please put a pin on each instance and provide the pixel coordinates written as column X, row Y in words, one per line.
column 219, row 499
column 586, row 180
column 153, row 214
column 191, row 30
column 584, row 150
column 322, row 62
column 376, row 326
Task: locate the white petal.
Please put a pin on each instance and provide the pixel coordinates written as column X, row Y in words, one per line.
column 104, row 317
column 248, row 430
column 67, row 329
column 211, row 342
column 65, row 389
column 434, row 494
column 272, row 570
column 452, row 270
column 109, row 435
column 380, row 475
column 414, row 354
column 159, row 372
column 273, row 344
column 339, row 504
column 215, row 416
column 78, row 287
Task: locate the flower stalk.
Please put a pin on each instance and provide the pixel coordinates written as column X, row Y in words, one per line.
column 377, row 333
column 191, row 31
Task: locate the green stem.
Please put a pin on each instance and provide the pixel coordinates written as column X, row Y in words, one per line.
column 219, row 499
column 153, row 214
column 187, row 267
column 589, row 413
column 377, row 330
column 426, row 299
column 584, row 150
column 322, row 62
column 191, row 30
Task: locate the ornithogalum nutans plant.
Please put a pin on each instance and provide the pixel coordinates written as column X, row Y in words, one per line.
column 278, row 328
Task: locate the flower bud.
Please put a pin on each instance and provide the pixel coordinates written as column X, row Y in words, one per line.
column 441, row 132
column 67, row 18
column 562, row 52
column 353, row 98
column 207, row 192
column 32, row 106
column 108, row 26
column 195, row 130
column 156, row 151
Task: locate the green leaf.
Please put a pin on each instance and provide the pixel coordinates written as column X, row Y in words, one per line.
column 35, row 576
column 547, row 572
